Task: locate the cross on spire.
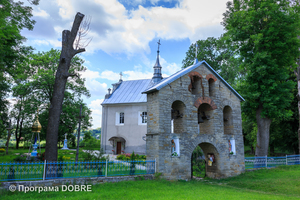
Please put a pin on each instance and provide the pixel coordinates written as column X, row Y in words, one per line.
column 158, row 44
column 121, row 75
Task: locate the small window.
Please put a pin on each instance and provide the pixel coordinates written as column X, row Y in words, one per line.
column 121, row 118
column 142, row 118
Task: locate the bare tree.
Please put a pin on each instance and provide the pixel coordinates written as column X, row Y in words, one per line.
column 82, row 41
column 69, row 50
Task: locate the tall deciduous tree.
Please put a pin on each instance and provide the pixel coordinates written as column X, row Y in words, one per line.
column 266, row 35
column 14, row 17
column 62, row 74
column 42, row 83
column 36, row 92
column 219, row 54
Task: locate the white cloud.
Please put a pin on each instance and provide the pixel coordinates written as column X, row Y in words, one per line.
column 110, row 75
column 94, row 86
column 168, row 68
column 117, row 30
column 90, row 74
column 96, row 109
column 40, row 13
column 65, row 10
column 134, row 75
column 141, row 73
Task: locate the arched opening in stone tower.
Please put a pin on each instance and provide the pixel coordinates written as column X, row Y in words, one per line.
column 204, row 161
column 228, row 121
column 211, row 87
column 177, row 117
column 196, row 85
column 205, row 122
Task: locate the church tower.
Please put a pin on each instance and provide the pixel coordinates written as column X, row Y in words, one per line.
column 157, row 77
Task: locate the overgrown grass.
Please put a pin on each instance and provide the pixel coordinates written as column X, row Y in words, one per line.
column 280, row 183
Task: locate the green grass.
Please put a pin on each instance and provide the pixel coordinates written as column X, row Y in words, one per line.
column 279, row 183
column 280, row 180
column 13, row 153
column 68, row 170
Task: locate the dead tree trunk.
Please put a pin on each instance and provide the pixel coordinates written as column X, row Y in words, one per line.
column 62, row 74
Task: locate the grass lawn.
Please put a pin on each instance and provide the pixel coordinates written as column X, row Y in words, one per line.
column 280, row 183
column 13, row 153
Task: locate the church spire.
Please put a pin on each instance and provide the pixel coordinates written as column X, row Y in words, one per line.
column 157, row 68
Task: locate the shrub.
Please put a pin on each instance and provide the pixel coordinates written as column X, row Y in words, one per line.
column 121, row 157
column 23, row 158
column 2, row 150
column 90, row 155
column 128, row 156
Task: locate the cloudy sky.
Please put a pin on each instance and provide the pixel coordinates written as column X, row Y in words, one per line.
column 124, row 36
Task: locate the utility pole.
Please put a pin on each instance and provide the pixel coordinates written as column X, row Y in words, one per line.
column 78, row 136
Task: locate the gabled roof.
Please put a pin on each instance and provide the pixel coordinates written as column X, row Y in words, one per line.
column 129, row 92
column 184, row 71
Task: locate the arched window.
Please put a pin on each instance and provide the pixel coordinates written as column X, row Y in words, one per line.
column 228, row 122
column 177, row 117
column 195, row 82
column 205, row 123
column 211, row 85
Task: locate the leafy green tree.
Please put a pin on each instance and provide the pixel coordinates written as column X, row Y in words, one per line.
column 24, row 108
column 46, row 64
column 4, row 89
column 35, row 91
column 265, row 33
column 219, row 54
column 14, row 17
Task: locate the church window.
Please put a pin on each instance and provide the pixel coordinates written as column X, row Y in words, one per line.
column 205, row 123
column 120, row 117
column 211, row 84
column 142, row 118
column 195, row 81
column 228, row 122
column 177, row 117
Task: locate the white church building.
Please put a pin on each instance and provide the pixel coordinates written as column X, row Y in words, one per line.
column 124, row 115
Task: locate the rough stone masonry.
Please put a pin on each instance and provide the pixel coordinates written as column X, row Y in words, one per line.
column 195, row 107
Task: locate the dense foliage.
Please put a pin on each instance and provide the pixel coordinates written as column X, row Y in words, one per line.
column 14, row 17
column 257, row 55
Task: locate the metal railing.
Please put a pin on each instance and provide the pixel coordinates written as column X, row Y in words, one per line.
column 260, row 162
column 55, row 170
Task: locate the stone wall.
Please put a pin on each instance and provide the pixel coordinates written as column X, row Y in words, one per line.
column 75, row 181
column 194, row 100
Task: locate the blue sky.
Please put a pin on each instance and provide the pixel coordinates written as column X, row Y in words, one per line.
column 125, row 35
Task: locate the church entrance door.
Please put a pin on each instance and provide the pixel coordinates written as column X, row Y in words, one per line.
column 119, row 144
